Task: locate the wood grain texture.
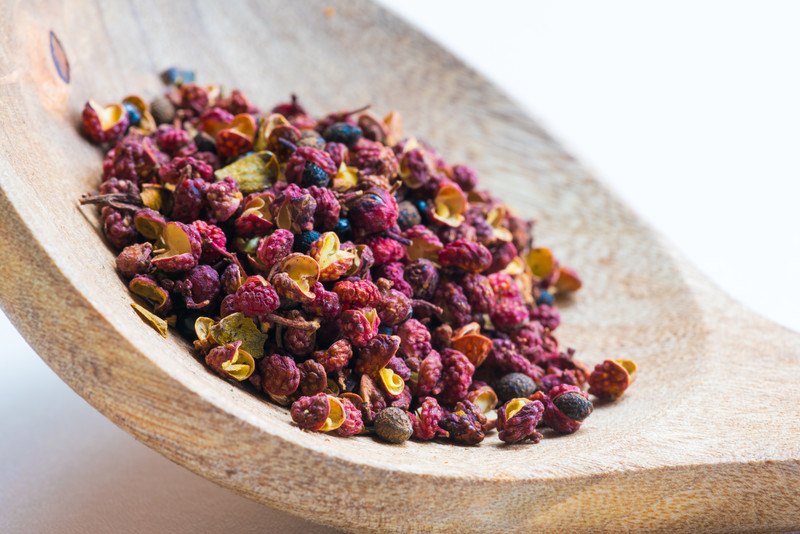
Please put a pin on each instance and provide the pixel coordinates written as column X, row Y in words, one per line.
column 708, row 439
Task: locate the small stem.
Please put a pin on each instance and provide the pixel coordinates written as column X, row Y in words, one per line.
column 115, row 200
column 418, row 303
column 397, row 237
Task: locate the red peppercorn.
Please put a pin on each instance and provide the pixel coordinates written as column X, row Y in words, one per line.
column 359, row 325
column 415, row 339
column 464, row 424
column 279, row 375
column 134, row 259
column 465, row 255
column 275, row 247
column 335, row 357
column 457, row 374
column 521, row 425
column 256, row 298
column 357, row 293
column 353, row 424
column 313, row 379
column 429, row 375
column 426, row 420
column 310, row 413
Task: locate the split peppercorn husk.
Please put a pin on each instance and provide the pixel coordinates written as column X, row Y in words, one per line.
column 340, row 268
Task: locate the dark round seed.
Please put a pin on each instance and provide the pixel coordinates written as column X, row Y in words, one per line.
column 408, row 215
column 545, row 297
column 343, row 228
column 343, row 132
column 422, row 208
column 514, row 386
column 306, row 239
column 133, row 114
column 204, row 142
column 387, row 330
column 574, row 406
column 162, row 110
column 185, row 326
column 313, row 174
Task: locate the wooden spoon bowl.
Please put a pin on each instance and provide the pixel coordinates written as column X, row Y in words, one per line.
column 706, row 439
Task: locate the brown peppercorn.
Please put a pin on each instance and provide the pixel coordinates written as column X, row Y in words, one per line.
column 393, row 425
column 162, row 110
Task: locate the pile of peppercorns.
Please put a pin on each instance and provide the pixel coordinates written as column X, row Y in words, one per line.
column 340, row 268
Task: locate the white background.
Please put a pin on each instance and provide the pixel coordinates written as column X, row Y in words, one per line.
column 688, row 110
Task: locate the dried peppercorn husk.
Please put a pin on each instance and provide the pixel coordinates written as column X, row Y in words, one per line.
column 340, row 268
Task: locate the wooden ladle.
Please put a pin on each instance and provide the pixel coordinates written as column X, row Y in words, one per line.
column 707, row 439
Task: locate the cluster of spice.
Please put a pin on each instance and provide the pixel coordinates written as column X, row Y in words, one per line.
column 341, row 268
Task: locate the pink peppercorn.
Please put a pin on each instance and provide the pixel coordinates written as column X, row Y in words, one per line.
column 505, row 357
column 395, row 273
column 353, row 423
column 187, row 200
column 522, row 425
column 213, row 239
column 296, row 165
column 338, row 153
column 275, row 247
column 465, row 177
column 426, row 420
column 310, row 413
column 313, row 379
column 386, row 250
column 479, row 293
column 256, row 298
column 456, row 309
column 465, row 255
column 326, row 215
column 357, row 293
column 376, row 353
column 138, row 159
column 172, row 172
column 429, row 375
column 93, row 126
column 174, row 141
column 464, row 424
column 457, row 374
column 565, row 408
column 372, row 212
column 325, row 304
column 359, row 325
column 118, row 228
column 502, row 254
column 335, row 357
column 547, row 316
column 423, row 277
column 200, row 287
column 415, row 339
column 223, row 199
column 509, row 314
column 279, row 375
column 134, row 259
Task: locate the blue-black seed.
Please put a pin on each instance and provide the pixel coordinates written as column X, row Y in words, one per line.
column 313, row 174
column 306, row 239
column 133, row 114
column 545, row 297
column 342, row 228
column 387, row 330
column 343, row 132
